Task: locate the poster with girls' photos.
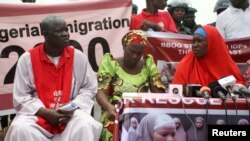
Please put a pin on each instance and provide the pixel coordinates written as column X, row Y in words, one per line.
column 146, row 117
column 169, row 48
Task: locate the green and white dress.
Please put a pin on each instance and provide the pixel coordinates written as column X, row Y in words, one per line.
column 111, row 74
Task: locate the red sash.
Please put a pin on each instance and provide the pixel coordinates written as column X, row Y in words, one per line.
column 53, row 84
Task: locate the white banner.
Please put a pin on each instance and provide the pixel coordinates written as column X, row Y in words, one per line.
column 95, row 27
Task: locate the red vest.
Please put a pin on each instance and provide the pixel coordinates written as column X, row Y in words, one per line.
column 53, row 83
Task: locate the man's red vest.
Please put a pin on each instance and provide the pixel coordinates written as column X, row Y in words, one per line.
column 53, row 83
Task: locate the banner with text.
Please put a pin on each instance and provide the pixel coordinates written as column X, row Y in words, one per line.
column 169, row 48
column 95, row 27
column 139, row 114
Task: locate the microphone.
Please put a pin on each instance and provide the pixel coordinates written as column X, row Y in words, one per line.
column 227, row 83
column 230, row 91
column 241, row 89
column 219, row 92
column 204, row 92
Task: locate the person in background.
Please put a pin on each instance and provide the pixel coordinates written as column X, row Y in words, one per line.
column 152, row 19
column 48, row 77
column 243, row 122
column 180, row 134
column 189, row 20
column 178, row 10
column 132, row 128
column 199, row 128
column 129, row 73
column 219, row 7
column 234, row 21
column 134, row 9
column 208, row 61
column 156, row 127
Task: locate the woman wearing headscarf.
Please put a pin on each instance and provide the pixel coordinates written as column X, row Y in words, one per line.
column 132, row 128
column 156, row 127
column 208, row 61
column 180, row 134
column 243, row 122
column 129, row 73
column 197, row 132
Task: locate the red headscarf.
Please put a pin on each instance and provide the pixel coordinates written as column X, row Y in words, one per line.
column 134, row 37
column 216, row 63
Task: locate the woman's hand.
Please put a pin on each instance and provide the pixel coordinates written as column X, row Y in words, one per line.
column 111, row 113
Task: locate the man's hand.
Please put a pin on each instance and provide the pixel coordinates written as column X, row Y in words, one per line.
column 148, row 24
column 54, row 117
column 65, row 120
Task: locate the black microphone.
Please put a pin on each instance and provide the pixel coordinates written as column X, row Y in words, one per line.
column 227, row 83
column 219, row 92
column 230, row 91
column 241, row 89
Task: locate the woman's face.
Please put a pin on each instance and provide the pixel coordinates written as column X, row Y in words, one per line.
column 189, row 20
column 199, row 47
column 133, row 53
column 165, row 133
column 177, row 123
column 178, row 14
column 199, row 124
column 133, row 123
